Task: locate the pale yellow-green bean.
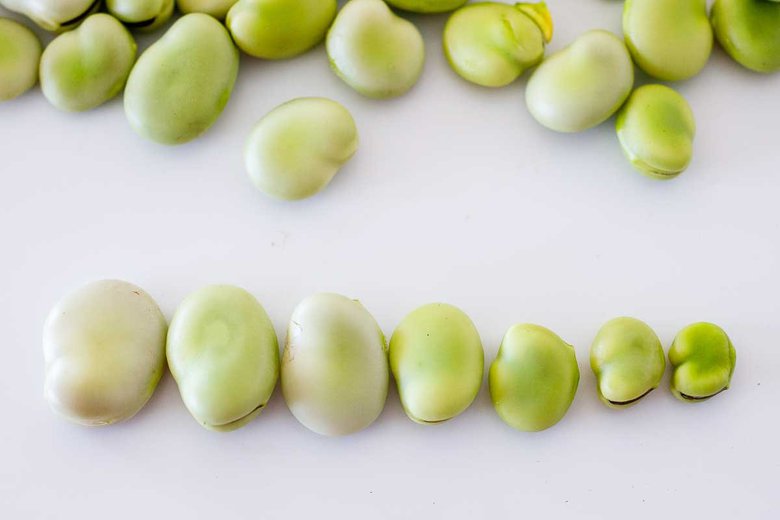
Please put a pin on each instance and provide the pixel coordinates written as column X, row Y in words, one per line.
column 437, row 360
column 749, row 30
column 144, row 15
column 295, row 150
column 656, row 128
column 54, row 15
column 427, row 6
column 277, row 29
column 20, row 53
column 216, row 8
column 83, row 68
column 703, row 360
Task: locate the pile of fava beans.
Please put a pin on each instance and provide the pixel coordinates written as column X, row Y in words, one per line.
column 106, row 346
column 179, row 86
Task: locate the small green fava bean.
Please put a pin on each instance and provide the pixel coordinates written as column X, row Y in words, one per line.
column 334, row 366
column 375, row 52
column 492, row 44
column 749, row 30
column 656, row 130
column 216, row 8
column 20, row 53
column 437, row 360
column 669, row 39
column 582, row 85
column 628, row 361
column 427, row 6
column 104, row 348
column 703, row 361
column 223, row 353
column 296, row 149
column 83, row 68
column 180, row 85
column 145, row 15
column 534, row 378
column 277, row 29
column 54, row 15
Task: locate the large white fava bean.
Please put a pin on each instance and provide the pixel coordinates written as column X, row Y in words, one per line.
column 334, row 367
column 104, row 349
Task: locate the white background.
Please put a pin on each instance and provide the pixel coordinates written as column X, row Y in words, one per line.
column 455, row 195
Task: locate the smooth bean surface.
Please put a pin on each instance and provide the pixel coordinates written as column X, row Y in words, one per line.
column 20, row 53
column 427, row 6
column 749, row 31
column 145, row 15
column 216, row 8
column 54, row 15
column 703, row 360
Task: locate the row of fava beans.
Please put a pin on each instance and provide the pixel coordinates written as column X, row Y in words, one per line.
column 179, row 86
column 106, row 344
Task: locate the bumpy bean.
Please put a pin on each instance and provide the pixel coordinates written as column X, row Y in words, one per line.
column 223, row 353
column 276, row 29
column 656, row 130
column 181, row 84
column 749, row 30
column 145, row 15
column 86, row 67
column 437, row 360
column 334, row 366
column 492, row 44
column 582, row 85
column 628, row 361
column 216, row 8
column 20, row 53
column 104, row 348
column 296, row 149
column 534, row 378
column 703, row 361
column 54, row 15
column 668, row 39
column 375, row 52
column 427, row 6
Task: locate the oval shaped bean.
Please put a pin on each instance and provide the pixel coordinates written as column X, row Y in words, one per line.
column 334, row 366
column 749, row 30
column 669, row 39
column 582, row 85
column 534, row 378
column 427, row 6
column 656, row 130
column 20, row 53
column 295, row 150
column 277, row 29
column 104, row 348
column 54, row 15
column 628, row 361
column 145, row 15
column 83, row 68
column 181, row 84
column 703, row 360
column 437, row 360
column 223, row 353
column 492, row 44
column 216, row 8
column 375, row 52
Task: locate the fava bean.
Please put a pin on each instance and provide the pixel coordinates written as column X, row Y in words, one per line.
column 437, row 360
column 54, row 15
column 656, row 130
column 703, row 361
column 534, row 378
column 145, row 15
column 181, row 84
column 492, row 44
column 296, row 149
column 375, row 52
column 276, row 29
column 628, row 361
column 582, row 85
column 85, row 67
column 749, row 30
column 669, row 39
column 20, row 53
column 223, row 353
column 334, row 366
column 427, row 6
column 104, row 348
column 216, row 8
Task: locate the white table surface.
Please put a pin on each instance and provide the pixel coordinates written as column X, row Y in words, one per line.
column 455, row 195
